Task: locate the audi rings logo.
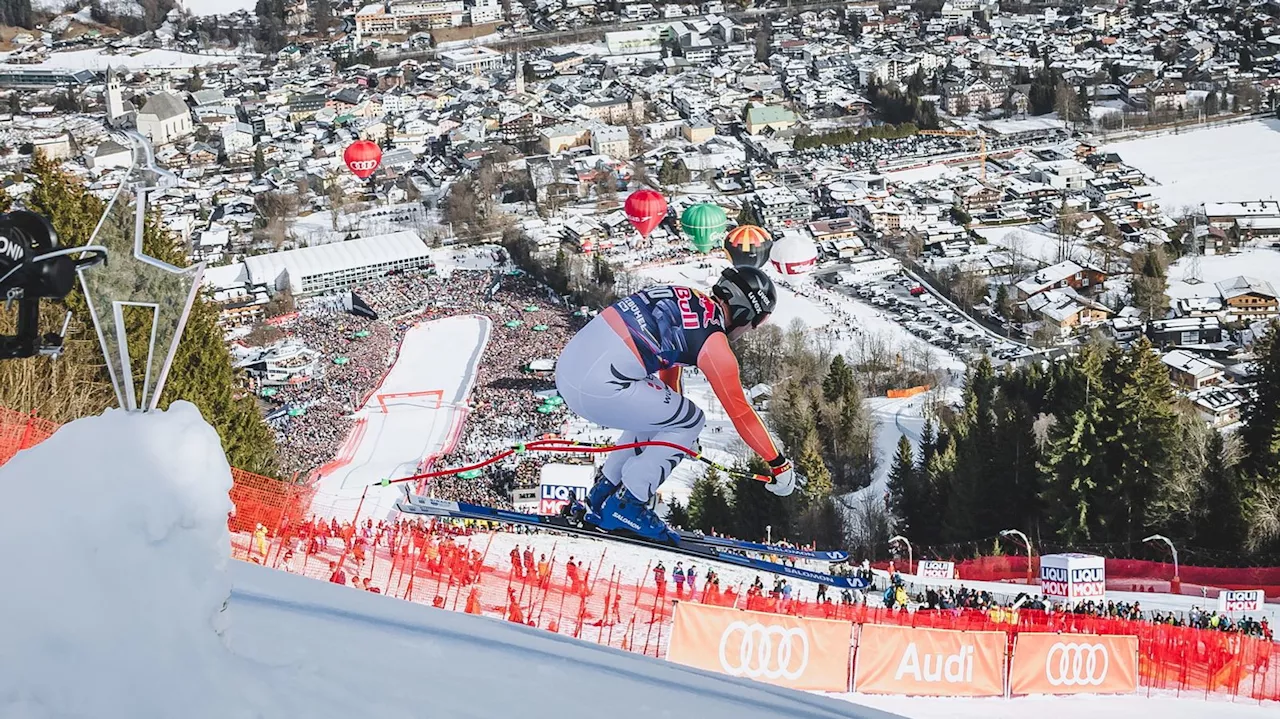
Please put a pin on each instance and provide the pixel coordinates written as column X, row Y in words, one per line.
column 770, row 652
column 1077, row 665
column 360, row 165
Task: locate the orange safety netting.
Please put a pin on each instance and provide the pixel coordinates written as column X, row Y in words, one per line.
column 284, row 526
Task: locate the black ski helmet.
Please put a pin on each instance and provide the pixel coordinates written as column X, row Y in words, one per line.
column 749, row 295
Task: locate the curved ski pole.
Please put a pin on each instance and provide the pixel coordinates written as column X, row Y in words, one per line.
column 566, row 446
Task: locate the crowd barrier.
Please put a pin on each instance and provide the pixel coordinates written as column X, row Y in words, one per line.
column 917, row 660
column 1131, row 574
column 469, row 570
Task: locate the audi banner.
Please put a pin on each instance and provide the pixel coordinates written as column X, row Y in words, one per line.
column 929, row 662
column 1074, row 664
column 793, row 652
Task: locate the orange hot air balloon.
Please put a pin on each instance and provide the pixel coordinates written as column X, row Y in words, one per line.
column 645, row 209
column 748, row 245
column 362, row 158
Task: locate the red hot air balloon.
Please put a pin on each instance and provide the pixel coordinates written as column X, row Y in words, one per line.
column 363, row 157
column 645, row 209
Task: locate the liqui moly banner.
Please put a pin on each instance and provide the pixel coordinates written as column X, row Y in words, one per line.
column 1248, row 600
column 930, row 569
column 561, row 483
column 929, row 662
column 1073, row 577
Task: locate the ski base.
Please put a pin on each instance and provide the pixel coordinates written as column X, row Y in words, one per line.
column 689, row 544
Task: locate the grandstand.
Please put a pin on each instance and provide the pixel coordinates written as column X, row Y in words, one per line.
column 337, row 265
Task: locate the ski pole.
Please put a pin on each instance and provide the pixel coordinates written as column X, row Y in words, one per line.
column 566, row 446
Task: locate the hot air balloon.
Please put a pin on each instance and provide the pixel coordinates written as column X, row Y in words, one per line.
column 645, row 209
column 704, row 223
column 748, row 245
column 362, row 157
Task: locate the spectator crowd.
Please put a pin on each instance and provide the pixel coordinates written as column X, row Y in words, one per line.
column 312, row 419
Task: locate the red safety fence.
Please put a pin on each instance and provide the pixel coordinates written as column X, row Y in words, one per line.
column 600, row 600
column 1132, row 574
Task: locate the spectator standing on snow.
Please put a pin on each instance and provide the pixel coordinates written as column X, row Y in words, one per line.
column 516, row 568
column 678, row 575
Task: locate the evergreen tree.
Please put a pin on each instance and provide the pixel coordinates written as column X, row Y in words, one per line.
column 928, row 445
column 839, row 381
column 755, row 508
column 1075, row 472
column 78, row 384
column 1260, row 412
column 936, row 485
column 1141, row 455
column 1220, row 522
column 1211, row 104
column 822, row 524
column 1004, row 304
column 709, row 506
column 903, row 489
column 259, row 162
column 677, row 515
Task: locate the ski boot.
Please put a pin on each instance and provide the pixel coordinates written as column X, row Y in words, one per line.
column 623, row 513
column 577, row 511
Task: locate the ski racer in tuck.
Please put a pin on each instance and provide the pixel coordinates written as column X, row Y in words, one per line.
column 623, row 371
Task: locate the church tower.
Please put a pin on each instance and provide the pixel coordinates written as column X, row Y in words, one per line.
column 115, row 98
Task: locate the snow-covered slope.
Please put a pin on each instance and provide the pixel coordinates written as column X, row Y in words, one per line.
column 116, row 539
column 343, row 652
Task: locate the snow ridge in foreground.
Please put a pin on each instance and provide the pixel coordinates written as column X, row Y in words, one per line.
column 115, row 534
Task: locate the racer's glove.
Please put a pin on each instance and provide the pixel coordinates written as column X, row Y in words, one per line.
column 785, row 478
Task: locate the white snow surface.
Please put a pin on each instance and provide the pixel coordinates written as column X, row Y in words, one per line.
column 200, row 8
column 435, row 355
column 99, row 61
column 118, row 610
column 1234, row 163
column 1260, row 262
column 127, row 595
column 115, row 596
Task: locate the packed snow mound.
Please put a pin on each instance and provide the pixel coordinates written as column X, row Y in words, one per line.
column 116, row 537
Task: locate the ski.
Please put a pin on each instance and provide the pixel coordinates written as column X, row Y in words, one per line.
column 420, row 505
column 744, row 546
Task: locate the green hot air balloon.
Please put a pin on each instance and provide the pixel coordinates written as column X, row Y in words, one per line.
column 705, row 225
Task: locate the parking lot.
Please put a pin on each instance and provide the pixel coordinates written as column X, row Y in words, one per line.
column 905, row 301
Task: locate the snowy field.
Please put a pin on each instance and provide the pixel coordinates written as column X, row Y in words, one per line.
column 437, row 355
column 99, row 61
column 1220, row 164
column 1260, row 262
column 215, row 7
column 1028, row 242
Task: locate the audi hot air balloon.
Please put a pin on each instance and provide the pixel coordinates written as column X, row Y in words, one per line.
column 748, row 245
column 645, row 210
column 705, row 224
column 362, row 158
